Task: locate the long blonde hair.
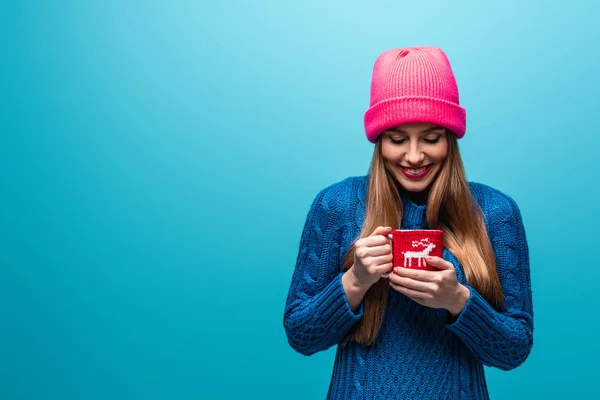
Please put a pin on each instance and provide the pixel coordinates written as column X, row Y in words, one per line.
column 450, row 207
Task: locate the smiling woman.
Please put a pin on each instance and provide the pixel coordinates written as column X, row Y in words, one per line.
column 414, row 154
column 401, row 332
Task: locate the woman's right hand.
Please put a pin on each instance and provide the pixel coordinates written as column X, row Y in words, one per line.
column 372, row 257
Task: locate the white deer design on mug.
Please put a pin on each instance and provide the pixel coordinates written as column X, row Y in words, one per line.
column 419, row 255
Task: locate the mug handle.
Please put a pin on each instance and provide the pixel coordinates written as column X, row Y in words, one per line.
column 387, row 275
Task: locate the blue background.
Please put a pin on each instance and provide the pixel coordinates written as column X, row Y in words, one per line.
column 158, row 158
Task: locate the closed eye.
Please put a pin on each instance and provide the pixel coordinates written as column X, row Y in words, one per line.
column 429, row 141
column 397, row 141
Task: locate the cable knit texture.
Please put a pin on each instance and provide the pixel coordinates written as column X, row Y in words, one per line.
column 418, row 354
column 413, row 84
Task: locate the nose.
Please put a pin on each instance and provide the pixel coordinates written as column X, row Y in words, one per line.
column 414, row 155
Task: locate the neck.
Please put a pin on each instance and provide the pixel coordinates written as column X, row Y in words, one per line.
column 418, row 198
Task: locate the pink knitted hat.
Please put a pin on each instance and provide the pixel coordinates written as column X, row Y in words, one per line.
column 413, row 84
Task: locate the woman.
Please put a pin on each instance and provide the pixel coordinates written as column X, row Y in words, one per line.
column 416, row 334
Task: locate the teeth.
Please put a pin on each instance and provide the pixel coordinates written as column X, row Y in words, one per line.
column 413, row 171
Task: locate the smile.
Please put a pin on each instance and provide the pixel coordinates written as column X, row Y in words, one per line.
column 416, row 173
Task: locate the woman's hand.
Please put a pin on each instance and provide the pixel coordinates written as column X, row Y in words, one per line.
column 372, row 257
column 436, row 289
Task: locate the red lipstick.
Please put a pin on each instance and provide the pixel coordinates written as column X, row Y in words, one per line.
column 417, row 176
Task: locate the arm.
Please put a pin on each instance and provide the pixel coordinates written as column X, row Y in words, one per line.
column 502, row 339
column 317, row 312
column 355, row 292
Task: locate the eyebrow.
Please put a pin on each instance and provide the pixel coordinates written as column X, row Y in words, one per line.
column 432, row 129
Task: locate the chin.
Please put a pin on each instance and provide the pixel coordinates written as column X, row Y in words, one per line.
column 414, row 188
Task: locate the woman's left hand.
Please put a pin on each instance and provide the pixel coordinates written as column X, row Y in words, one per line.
column 436, row 289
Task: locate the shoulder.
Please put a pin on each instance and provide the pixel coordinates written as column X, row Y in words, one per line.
column 337, row 203
column 495, row 205
column 339, row 194
column 335, row 206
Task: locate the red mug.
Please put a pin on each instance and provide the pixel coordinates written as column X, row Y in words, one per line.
column 411, row 246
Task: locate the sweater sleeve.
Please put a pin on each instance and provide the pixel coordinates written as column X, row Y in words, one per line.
column 317, row 314
column 502, row 339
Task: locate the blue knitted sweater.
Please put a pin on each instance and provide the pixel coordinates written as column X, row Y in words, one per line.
column 419, row 353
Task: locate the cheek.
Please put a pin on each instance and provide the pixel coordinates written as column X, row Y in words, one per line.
column 440, row 154
column 389, row 156
column 385, row 152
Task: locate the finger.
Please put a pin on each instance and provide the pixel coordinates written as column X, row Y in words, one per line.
column 413, row 294
column 376, row 240
column 418, row 274
column 382, row 230
column 379, row 250
column 439, row 262
column 419, row 286
column 381, row 260
column 385, row 270
column 363, row 251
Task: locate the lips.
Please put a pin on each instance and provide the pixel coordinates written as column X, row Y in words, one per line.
column 416, row 173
